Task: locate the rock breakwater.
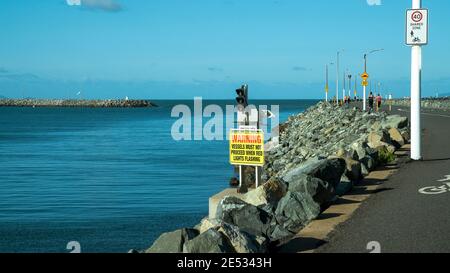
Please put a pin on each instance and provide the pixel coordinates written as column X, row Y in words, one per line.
column 318, row 154
column 75, row 103
column 434, row 103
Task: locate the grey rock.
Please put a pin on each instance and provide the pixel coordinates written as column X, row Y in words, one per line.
column 373, row 153
column 395, row 121
column 378, row 138
column 353, row 169
column 270, row 192
column 369, row 163
column 364, row 170
column 359, row 150
column 396, row 137
column 321, row 191
column 329, row 170
column 242, row 242
column 293, row 213
column 247, row 217
column 345, row 186
column 172, row 242
column 211, row 241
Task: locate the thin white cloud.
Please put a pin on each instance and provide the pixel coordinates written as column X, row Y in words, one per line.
column 374, row 2
column 105, row 5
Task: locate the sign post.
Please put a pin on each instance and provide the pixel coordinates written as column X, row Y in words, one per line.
column 247, row 148
column 326, row 84
column 416, row 36
column 247, row 142
column 364, row 83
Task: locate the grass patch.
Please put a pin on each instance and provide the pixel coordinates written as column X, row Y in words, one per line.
column 385, row 157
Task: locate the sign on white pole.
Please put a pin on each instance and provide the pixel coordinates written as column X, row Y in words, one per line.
column 417, row 27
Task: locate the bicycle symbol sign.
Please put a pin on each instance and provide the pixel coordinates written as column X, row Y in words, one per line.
column 433, row 190
column 416, row 27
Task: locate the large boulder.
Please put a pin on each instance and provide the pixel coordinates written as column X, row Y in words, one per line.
column 247, row 217
column 329, row 170
column 405, row 134
column 293, row 213
column 371, row 152
column 269, row 193
column 353, row 169
column 396, row 137
column 358, row 150
column 210, row 241
column 241, row 241
column 364, row 170
column 321, row 191
column 377, row 138
column 345, row 186
column 172, row 242
column 208, row 223
column 368, row 163
column 395, row 121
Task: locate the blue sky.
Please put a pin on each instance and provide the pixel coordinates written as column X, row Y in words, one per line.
column 178, row 49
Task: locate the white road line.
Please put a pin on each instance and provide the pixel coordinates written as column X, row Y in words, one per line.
column 428, row 114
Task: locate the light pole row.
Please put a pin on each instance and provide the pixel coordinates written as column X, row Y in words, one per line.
column 364, row 76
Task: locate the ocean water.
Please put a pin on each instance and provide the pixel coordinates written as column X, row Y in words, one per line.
column 111, row 179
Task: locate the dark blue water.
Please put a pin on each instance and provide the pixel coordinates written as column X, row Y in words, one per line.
column 112, row 179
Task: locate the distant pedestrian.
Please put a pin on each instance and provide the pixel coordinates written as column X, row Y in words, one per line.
column 371, row 102
column 379, row 98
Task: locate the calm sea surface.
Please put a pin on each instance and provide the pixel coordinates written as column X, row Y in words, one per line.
column 111, row 179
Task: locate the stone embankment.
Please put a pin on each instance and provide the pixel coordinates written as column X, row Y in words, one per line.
column 75, row 103
column 320, row 154
column 434, row 103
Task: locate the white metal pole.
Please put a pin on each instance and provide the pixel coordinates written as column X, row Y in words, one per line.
column 364, row 98
column 416, row 70
column 349, row 86
column 257, row 176
column 337, row 80
column 343, row 90
column 241, row 175
column 326, row 84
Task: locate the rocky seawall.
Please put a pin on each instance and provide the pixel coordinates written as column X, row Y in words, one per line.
column 435, row 103
column 319, row 155
column 75, row 103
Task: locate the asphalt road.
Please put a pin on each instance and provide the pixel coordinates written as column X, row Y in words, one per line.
column 399, row 217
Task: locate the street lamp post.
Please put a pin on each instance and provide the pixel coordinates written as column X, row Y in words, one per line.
column 337, row 77
column 365, row 71
column 327, row 87
column 349, row 85
column 343, row 90
column 326, row 83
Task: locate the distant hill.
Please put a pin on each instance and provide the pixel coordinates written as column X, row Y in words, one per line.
column 2, row 97
column 444, row 95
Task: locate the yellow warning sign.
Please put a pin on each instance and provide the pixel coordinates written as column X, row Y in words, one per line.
column 365, row 83
column 365, row 76
column 247, row 147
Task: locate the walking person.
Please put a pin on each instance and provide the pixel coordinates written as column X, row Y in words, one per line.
column 370, row 102
column 379, row 98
